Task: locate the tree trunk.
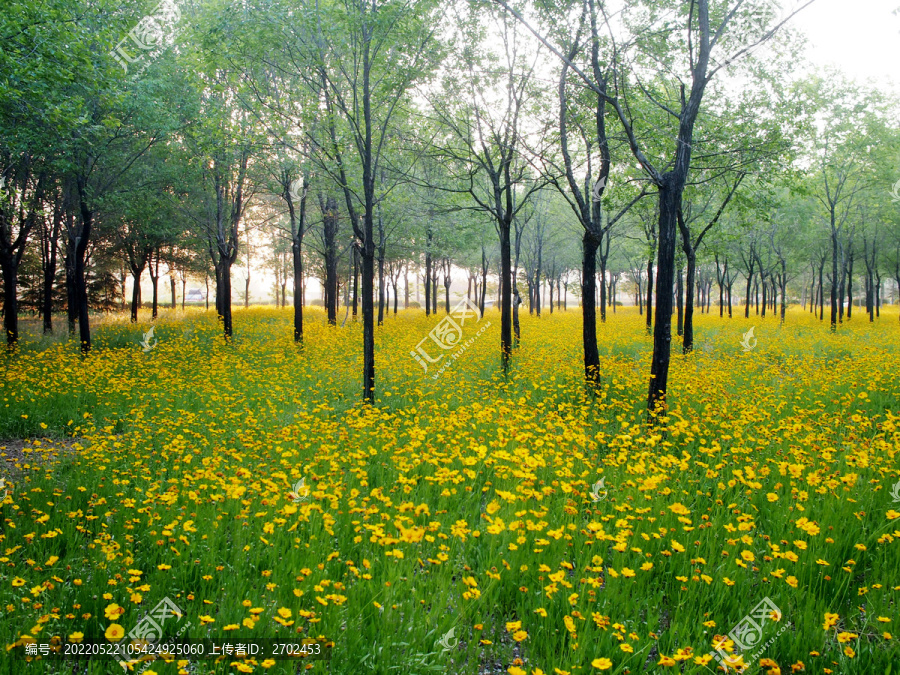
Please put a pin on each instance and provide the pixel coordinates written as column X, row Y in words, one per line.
column 688, row 340
column 649, row 304
column 590, row 244
column 329, row 231
column 505, row 292
column 484, row 271
column 669, row 203
column 447, row 286
column 679, row 300
column 729, row 300
column 71, row 299
column 381, row 288
column 135, row 293
column 223, row 295
column 747, row 299
column 297, row 259
column 368, row 310
column 49, row 267
column 355, row 280
column 154, row 280
column 381, row 284
column 428, row 263
column 81, row 299
column 10, row 268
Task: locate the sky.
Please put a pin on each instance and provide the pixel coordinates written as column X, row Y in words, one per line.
column 861, row 38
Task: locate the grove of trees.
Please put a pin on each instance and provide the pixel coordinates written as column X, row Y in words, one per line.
column 677, row 154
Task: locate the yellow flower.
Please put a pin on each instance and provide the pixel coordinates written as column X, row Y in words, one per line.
column 830, row 620
column 114, row 632
column 113, row 611
column 602, row 664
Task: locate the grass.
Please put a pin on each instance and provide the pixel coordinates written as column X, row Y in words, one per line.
column 461, row 503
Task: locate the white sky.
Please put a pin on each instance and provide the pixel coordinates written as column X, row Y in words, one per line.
column 861, row 38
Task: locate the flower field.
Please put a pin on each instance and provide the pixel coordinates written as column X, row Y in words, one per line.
column 467, row 524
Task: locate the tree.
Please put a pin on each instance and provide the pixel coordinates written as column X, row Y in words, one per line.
column 698, row 36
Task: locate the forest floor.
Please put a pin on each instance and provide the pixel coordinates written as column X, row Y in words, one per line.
column 469, row 522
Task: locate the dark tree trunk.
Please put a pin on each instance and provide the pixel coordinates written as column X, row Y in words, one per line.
column 649, row 304
column 368, row 310
column 381, row 284
column 821, row 294
column 10, row 268
column 850, row 285
column 484, row 272
column 747, row 299
column 434, row 286
column 81, row 299
column 603, row 256
column 71, row 299
column 51, row 249
column 135, row 293
column 669, row 204
column 679, row 300
column 355, row 280
column 223, row 295
column 447, row 281
column 297, row 259
column 428, row 263
column 505, row 290
column 329, row 231
column 590, row 244
column 154, row 280
column 834, row 274
column 688, row 340
column 765, row 286
column 729, row 300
